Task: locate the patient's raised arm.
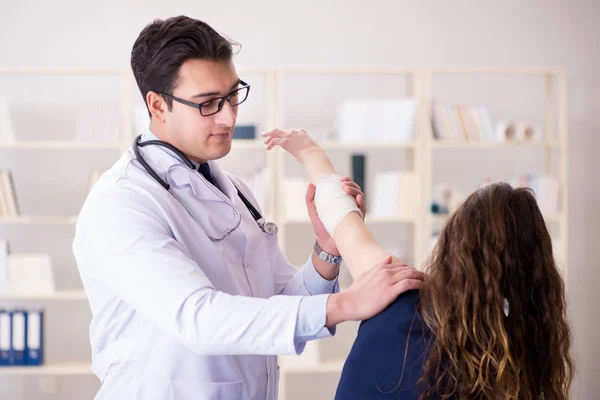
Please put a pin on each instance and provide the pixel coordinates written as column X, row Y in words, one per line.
column 337, row 210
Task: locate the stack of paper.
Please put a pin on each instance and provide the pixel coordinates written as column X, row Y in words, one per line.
column 30, row 273
column 547, row 192
column 394, row 195
column 376, row 120
column 294, row 191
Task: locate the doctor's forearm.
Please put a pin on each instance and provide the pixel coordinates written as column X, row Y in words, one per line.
column 211, row 322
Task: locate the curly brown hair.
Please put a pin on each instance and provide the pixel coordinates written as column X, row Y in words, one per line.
column 496, row 250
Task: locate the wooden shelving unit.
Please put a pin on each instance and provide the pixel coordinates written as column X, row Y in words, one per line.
column 423, row 147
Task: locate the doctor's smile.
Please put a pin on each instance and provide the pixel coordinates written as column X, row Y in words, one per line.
column 221, row 136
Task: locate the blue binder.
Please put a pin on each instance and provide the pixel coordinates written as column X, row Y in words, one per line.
column 35, row 333
column 5, row 338
column 244, row 132
column 19, row 337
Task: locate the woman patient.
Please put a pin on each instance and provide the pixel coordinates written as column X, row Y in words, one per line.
column 490, row 319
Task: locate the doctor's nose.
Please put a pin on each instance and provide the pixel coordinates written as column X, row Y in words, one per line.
column 227, row 115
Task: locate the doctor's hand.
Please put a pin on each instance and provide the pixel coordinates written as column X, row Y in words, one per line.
column 326, row 242
column 372, row 292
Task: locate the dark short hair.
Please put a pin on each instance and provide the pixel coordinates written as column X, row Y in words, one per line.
column 164, row 45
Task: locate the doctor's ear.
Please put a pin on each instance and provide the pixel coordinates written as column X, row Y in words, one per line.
column 157, row 106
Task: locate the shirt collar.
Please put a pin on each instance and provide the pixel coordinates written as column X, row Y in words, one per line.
column 168, row 165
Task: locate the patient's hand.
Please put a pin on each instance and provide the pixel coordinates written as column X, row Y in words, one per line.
column 296, row 142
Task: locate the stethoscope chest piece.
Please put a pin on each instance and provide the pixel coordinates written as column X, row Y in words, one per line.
column 270, row 228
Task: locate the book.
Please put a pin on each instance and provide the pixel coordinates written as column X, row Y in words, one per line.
column 244, row 132
column 462, row 123
column 8, row 201
column 359, row 171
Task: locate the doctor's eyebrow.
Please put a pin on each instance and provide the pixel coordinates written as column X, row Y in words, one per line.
column 216, row 93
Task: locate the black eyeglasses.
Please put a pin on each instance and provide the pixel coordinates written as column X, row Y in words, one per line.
column 213, row 106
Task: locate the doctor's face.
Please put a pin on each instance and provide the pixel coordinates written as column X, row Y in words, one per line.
column 202, row 138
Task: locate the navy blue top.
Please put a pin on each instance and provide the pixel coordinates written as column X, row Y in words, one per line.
column 375, row 368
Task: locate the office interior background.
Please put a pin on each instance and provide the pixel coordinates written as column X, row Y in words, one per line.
column 527, row 62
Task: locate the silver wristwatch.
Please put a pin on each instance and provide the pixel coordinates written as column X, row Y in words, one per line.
column 323, row 255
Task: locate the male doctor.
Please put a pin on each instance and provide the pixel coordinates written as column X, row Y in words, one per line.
column 191, row 297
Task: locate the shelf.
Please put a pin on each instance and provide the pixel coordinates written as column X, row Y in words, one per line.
column 551, row 218
column 498, row 71
column 61, row 295
column 369, row 220
column 63, row 368
column 375, row 70
column 331, row 145
column 453, row 144
column 34, row 220
column 59, row 145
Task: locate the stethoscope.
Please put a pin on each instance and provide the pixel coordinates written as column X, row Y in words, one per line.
column 267, row 227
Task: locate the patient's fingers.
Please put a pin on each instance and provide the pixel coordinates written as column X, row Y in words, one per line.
column 275, row 141
column 278, row 133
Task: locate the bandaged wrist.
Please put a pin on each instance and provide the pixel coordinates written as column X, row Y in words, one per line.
column 332, row 202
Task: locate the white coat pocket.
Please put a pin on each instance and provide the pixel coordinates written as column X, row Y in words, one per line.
column 190, row 390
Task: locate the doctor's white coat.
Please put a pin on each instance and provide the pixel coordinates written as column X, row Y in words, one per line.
column 176, row 315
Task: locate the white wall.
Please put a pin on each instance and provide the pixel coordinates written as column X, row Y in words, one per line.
column 398, row 33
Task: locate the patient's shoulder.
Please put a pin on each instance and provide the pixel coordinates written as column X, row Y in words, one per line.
column 400, row 316
column 387, row 356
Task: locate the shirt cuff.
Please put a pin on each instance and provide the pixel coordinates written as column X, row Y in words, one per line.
column 315, row 283
column 311, row 319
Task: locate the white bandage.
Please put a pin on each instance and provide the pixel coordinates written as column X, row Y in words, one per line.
column 332, row 202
